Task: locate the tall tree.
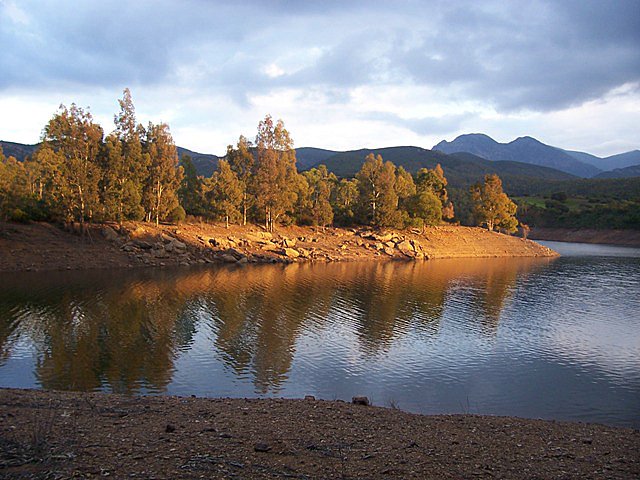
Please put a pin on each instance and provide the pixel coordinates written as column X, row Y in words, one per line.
column 242, row 162
column 164, row 175
column 376, row 182
column 225, row 192
column 492, row 206
column 275, row 171
column 72, row 134
column 124, row 165
column 320, row 183
column 191, row 192
column 344, row 201
column 13, row 187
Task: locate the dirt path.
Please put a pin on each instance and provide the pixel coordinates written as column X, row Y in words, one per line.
column 42, row 246
column 77, row 435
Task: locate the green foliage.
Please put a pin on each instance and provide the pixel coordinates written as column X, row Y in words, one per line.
column 225, row 193
column 191, row 191
column 492, row 207
column 580, row 212
column 177, row 215
column 275, row 178
column 426, row 207
column 164, row 175
column 344, row 200
column 320, row 185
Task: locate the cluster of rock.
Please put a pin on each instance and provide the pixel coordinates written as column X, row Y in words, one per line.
column 160, row 250
column 258, row 247
column 149, row 247
column 392, row 243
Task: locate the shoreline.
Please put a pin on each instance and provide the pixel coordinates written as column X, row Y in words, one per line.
column 98, row 434
column 621, row 238
column 46, row 247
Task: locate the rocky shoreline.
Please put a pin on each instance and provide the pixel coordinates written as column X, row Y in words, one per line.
column 41, row 246
column 46, row 434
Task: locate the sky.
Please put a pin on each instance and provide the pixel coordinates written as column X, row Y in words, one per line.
column 341, row 75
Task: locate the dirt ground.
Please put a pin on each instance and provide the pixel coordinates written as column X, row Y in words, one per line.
column 42, row 246
column 78, row 435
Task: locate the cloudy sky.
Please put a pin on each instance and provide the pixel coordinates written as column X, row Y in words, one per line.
column 341, row 74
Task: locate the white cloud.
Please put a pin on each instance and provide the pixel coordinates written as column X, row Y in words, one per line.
column 341, row 76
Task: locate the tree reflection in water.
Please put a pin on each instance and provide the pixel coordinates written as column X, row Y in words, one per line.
column 123, row 331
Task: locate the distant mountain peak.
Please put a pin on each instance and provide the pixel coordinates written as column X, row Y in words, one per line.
column 524, row 149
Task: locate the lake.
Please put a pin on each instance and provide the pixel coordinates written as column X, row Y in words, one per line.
column 540, row 338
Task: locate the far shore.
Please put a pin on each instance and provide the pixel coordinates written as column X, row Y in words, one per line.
column 49, row 434
column 44, row 247
column 625, row 238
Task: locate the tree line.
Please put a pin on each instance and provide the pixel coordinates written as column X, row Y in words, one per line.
column 80, row 175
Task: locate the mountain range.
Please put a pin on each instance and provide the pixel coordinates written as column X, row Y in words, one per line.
column 530, row 150
column 465, row 160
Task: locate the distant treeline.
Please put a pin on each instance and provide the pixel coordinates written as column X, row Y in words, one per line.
column 79, row 175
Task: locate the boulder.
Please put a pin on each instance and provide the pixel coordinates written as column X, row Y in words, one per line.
column 142, row 244
column 360, row 401
column 235, row 253
column 219, row 242
column 290, row 253
column 383, row 237
column 269, row 247
column 389, row 251
column 406, row 248
column 109, row 233
column 178, row 245
column 289, row 242
column 166, row 238
column 227, row 258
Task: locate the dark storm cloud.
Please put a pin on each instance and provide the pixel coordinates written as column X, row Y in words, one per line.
column 514, row 55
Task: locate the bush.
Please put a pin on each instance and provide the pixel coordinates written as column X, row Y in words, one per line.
column 19, row 216
column 177, row 215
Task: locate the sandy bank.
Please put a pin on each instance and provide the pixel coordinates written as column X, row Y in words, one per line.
column 42, row 246
column 629, row 238
column 64, row 435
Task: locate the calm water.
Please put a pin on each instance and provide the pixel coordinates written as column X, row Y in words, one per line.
column 548, row 338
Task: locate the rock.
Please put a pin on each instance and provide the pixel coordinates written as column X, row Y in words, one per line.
column 236, row 253
column 309, row 397
column 142, row 244
column 389, row 251
column 110, row 234
column 360, row 401
column 289, row 242
column 262, row 447
column 290, row 252
column 227, row 258
column 178, row 244
column 128, row 247
column 243, row 260
column 406, row 248
column 269, row 247
column 383, row 237
column 169, row 428
column 219, row 242
column 379, row 246
column 166, row 238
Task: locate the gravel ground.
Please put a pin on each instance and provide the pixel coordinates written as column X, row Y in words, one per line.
column 85, row 435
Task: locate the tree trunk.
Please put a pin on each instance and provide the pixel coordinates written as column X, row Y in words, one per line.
column 244, row 209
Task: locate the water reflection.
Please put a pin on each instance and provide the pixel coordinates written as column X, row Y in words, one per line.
column 124, row 331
